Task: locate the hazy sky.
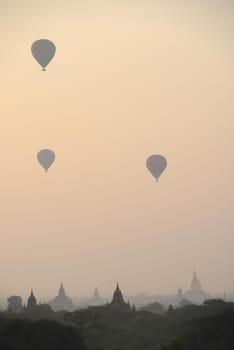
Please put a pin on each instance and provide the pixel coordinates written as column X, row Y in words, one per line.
column 130, row 78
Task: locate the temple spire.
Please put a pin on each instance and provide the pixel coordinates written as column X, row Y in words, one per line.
column 118, row 300
column 32, row 301
column 96, row 294
column 195, row 284
column 61, row 290
column 62, row 301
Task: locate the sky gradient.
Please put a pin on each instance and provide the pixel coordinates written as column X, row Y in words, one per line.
column 129, row 79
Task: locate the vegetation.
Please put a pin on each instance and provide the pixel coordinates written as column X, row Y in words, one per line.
column 193, row 327
column 156, row 308
column 18, row 334
column 187, row 328
column 212, row 333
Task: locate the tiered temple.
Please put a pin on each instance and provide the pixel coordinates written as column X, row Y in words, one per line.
column 62, row 301
column 32, row 302
column 195, row 284
column 195, row 293
column 118, row 300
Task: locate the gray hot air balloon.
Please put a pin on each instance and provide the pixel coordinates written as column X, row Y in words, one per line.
column 43, row 51
column 156, row 164
column 46, row 158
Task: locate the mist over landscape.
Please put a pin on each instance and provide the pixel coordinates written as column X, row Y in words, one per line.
column 133, row 92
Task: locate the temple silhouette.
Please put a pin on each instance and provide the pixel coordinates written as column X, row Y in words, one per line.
column 96, row 299
column 118, row 300
column 62, row 301
column 194, row 293
column 32, row 302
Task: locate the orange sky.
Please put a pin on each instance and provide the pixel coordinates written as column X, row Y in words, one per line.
column 129, row 79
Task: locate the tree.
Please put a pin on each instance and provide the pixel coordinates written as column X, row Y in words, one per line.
column 15, row 304
column 175, row 344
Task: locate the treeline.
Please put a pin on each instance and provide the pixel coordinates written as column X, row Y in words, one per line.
column 212, row 333
column 193, row 327
column 22, row 334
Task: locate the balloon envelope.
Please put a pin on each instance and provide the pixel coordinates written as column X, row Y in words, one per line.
column 156, row 164
column 46, row 158
column 43, row 51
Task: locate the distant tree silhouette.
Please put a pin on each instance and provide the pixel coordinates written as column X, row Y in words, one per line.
column 18, row 334
column 214, row 302
column 156, row 308
column 15, row 304
column 175, row 344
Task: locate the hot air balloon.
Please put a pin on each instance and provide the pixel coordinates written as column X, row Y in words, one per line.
column 43, row 51
column 156, row 164
column 46, row 158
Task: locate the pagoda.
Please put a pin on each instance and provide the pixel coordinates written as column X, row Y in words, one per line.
column 118, row 300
